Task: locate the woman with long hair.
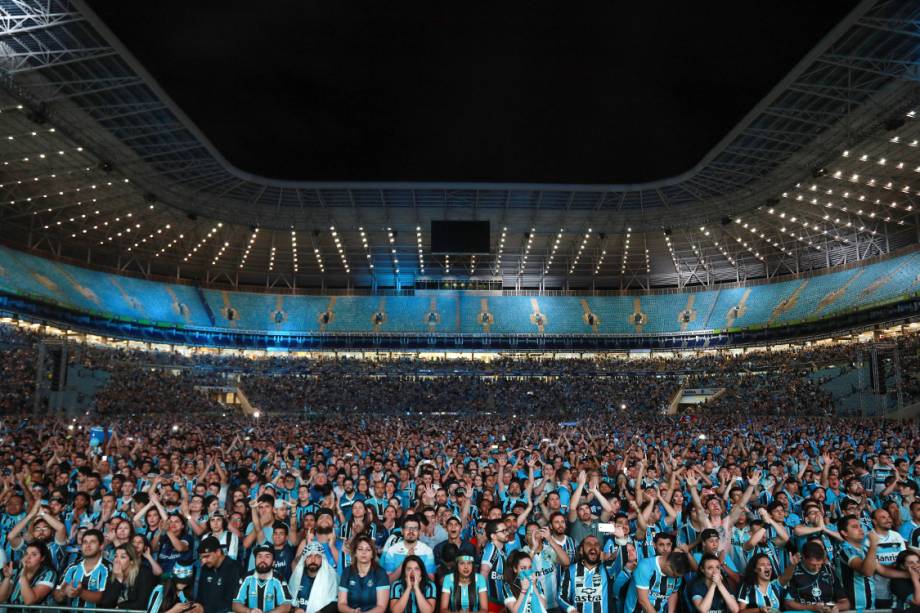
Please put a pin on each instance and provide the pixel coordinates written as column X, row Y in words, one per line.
column 760, row 589
column 364, row 585
column 413, row 592
column 130, row 582
column 522, row 590
column 464, row 589
column 31, row 582
column 708, row 591
column 142, row 547
column 177, row 592
column 359, row 523
column 388, row 523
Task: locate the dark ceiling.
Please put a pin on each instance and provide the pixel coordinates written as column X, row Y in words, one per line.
column 593, row 92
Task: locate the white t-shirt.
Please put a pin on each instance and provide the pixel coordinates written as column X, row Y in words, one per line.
column 889, row 546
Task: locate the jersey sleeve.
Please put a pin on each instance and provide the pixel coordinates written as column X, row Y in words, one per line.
column 848, row 553
column 431, row 590
column 46, row 578
column 643, row 575
column 487, row 553
column 448, row 585
column 481, row 585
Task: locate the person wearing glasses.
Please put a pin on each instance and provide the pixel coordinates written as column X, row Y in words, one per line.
column 399, row 549
column 493, row 563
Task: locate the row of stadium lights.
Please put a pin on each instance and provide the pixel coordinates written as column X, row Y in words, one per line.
column 667, row 241
column 220, row 252
column 625, row 251
column 144, row 240
column 552, row 254
column 340, row 249
column 527, row 249
column 421, row 256
column 776, row 244
column 367, row 249
column 581, row 248
column 252, row 241
column 391, row 238
column 126, row 230
column 203, row 241
column 501, row 250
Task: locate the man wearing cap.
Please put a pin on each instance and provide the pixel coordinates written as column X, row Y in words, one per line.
column 314, row 584
column 262, row 591
column 219, row 579
column 282, row 550
column 454, row 536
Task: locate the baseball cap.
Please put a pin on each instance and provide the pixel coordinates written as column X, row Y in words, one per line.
column 210, row 544
column 263, row 548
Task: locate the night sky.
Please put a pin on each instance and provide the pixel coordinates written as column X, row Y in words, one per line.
column 581, row 92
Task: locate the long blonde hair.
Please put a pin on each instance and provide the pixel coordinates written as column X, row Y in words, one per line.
column 135, row 566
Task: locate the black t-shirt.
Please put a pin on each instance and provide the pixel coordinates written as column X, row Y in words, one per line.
column 119, row 595
column 902, row 591
column 218, row 586
column 698, row 590
column 821, row 587
column 466, row 549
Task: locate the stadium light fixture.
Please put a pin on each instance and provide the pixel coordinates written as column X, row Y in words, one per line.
column 555, row 248
column 249, row 245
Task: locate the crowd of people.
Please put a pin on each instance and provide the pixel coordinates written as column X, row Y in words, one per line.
column 472, row 512
column 527, row 486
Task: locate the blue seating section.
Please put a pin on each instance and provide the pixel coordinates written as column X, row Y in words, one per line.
column 472, row 312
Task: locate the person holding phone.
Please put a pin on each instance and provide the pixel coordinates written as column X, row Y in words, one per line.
column 177, row 592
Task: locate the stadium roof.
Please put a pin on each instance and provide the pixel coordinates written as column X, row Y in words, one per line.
column 101, row 165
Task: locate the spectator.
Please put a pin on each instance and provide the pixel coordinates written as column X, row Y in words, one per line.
column 314, row 584
column 364, row 585
column 413, row 591
column 523, row 592
column 220, row 577
column 32, row 581
column 708, row 592
column 261, row 590
column 130, row 582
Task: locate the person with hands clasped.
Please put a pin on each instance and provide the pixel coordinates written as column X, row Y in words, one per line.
column 32, row 581
column 523, row 593
column 413, row 592
column 708, row 592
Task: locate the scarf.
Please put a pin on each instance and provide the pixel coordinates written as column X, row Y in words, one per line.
column 325, row 585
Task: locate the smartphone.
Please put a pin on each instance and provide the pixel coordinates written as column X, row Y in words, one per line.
column 606, row 528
